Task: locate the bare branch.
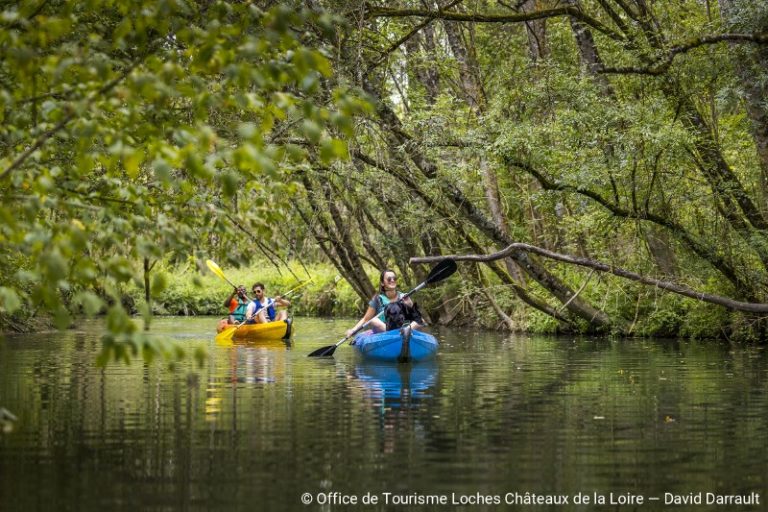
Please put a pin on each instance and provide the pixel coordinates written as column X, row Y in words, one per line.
column 663, row 63
column 498, row 18
column 747, row 307
column 397, row 44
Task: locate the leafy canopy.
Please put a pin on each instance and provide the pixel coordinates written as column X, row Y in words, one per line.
column 142, row 130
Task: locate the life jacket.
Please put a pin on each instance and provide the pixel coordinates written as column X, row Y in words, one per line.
column 239, row 312
column 382, row 300
column 271, row 313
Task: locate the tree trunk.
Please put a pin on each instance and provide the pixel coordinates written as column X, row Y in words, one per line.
column 538, row 47
column 458, row 227
column 148, row 291
column 398, row 138
column 471, row 84
column 472, row 88
column 336, row 242
column 660, row 249
column 751, row 64
column 418, row 52
column 590, row 58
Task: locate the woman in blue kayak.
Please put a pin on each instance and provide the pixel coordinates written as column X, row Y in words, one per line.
column 262, row 309
column 375, row 313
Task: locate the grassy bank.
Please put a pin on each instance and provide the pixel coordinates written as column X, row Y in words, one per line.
column 189, row 292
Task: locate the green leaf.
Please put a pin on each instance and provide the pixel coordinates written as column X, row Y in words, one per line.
column 131, row 162
column 162, row 170
column 9, row 300
column 230, row 183
column 332, row 149
column 311, row 130
column 92, row 304
column 159, row 283
column 55, row 265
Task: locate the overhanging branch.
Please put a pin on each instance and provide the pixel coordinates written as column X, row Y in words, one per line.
column 747, row 307
column 663, row 63
column 378, row 12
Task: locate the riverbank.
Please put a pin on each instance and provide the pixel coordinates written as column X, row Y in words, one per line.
column 456, row 302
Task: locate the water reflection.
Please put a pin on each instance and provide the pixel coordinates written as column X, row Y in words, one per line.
column 392, row 385
column 398, row 395
column 261, row 423
column 236, row 366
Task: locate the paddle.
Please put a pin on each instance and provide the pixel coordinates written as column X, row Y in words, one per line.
column 217, row 270
column 442, row 270
column 229, row 332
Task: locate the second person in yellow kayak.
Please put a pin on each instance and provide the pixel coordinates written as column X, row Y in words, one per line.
column 262, row 309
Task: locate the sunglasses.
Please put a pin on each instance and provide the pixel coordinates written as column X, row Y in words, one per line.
column 390, row 279
column 257, row 291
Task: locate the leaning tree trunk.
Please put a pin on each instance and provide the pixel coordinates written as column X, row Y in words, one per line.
column 751, row 64
column 538, row 47
column 334, row 238
column 398, row 138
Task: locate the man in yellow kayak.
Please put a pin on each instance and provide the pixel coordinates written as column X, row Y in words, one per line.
column 262, row 308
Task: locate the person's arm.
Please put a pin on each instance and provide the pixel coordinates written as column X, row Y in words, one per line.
column 369, row 313
column 280, row 301
column 228, row 302
column 249, row 310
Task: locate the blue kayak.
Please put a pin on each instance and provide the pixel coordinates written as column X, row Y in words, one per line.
column 388, row 346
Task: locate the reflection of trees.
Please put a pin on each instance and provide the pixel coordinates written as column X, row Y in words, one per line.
column 492, row 414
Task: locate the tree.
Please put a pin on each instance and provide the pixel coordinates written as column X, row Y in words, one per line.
column 629, row 122
column 137, row 131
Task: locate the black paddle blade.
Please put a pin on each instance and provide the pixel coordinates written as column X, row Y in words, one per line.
column 323, row 351
column 442, row 270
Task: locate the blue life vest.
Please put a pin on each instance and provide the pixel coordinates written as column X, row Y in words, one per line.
column 271, row 313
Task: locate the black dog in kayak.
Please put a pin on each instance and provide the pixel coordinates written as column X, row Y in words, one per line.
column 399, row 313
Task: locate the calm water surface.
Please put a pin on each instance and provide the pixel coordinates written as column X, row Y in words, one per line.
column 259, row 426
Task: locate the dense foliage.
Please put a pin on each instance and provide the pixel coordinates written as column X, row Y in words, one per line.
column 138, row 131
column 609, row 136
column 630, row 135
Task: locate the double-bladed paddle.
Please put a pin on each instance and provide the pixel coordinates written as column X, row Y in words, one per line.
column 442, row 270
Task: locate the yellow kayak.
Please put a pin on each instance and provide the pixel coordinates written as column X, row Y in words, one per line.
column 280, row 330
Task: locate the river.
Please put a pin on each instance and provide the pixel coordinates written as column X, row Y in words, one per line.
column 496, row 422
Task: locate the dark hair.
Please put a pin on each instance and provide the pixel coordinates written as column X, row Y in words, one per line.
column 258, row 285
column 381, row 278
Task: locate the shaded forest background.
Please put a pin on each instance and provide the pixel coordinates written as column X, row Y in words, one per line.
column 612, row 154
